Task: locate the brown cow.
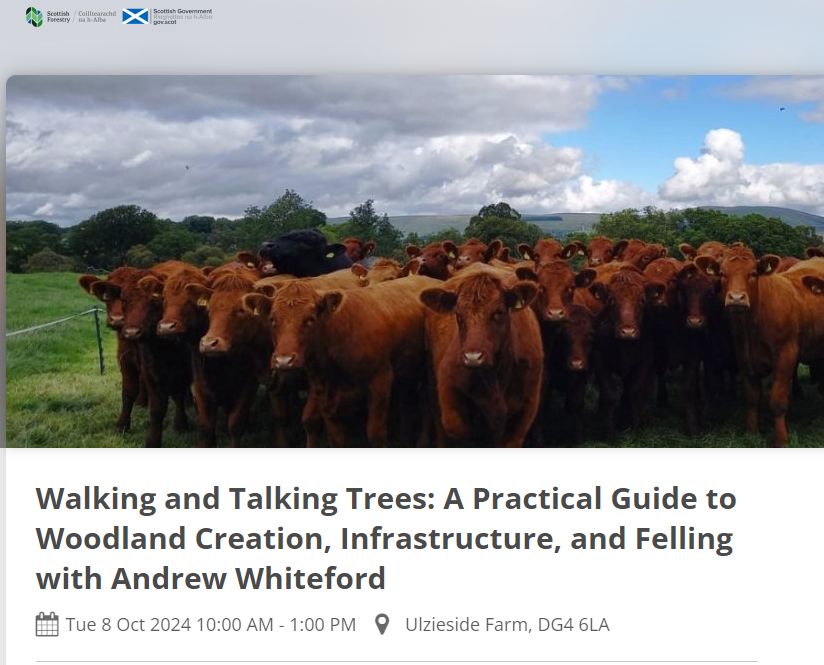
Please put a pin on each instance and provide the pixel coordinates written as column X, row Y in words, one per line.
column 776, row 323
column 786, row 263
column 707, row 342
column 128, row 354
column 358, row 347
column 813, row 252
column 472, row 251
column 547, row 250
column 623, row 344
column 711, row 248
column 357, row 249
column 165, row 367
column 599, row 251
column 486, row 353
column 382, row 270
column 433, row 260
column 625, row 250
column 234, row 354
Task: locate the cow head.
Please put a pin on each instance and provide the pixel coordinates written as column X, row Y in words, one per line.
column 625, row 297
column 599, row 251
column 665, row 272
column 815, row 251
column 231, row 325
column 142, row 308
column 182, row 316
column 297, row 314
column 357, row 249
column 482, row 307
column 304, row 253
column 579, row 330
column 547, row 250
column 698, row 294
column 556, row 282
column 646, row 255
column 433, row 260
column 383, row 270
column 739, row 272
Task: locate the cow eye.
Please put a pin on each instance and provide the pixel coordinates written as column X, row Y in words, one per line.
column 309, row 321
column 753, row 274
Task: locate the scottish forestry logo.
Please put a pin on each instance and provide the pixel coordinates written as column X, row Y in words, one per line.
column 34, row 17
column 136, row 16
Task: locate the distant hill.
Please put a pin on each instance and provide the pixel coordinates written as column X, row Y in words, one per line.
column 562, row 223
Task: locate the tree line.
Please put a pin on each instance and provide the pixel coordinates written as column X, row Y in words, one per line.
column 131, row 235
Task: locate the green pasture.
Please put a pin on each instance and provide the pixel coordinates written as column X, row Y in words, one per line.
column 55, row 396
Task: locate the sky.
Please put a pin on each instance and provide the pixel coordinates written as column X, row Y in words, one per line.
column 444, row 145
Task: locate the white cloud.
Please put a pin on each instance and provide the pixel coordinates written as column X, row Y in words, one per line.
column 137, row 159
column 721, row 176
column 785, row 91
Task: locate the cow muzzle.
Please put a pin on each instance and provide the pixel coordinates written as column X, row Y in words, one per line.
column 695, row 322
column 737, row 299
column 473, row 358
column 131, row 333
column 167, row 328
column 577, row 365
column 555, row 315
column 628, row 332
column 116, row 321
column 280, row 362
column 213, row 345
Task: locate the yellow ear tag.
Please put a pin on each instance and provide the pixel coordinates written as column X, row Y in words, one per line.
column 203, row 302
column 519, row 304
column 527, row 256
column 330, row 255
column 710, row 270
column 106, row 297
column 581, row 252
column 451, row 255
column 250, row 265
column 769, row 268
column 362, row 278
column 256, row 312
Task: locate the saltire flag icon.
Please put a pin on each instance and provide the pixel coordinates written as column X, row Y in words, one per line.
column 136, row 16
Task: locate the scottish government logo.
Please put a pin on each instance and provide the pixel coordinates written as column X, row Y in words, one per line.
column 34, row 17
column 136, row 16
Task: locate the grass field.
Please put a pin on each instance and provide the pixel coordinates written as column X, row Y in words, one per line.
column 55, row 396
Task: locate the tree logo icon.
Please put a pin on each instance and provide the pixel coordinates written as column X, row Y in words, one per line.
column 34, row 17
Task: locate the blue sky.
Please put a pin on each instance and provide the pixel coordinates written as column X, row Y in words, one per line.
column 415, row 144
column 671, row 115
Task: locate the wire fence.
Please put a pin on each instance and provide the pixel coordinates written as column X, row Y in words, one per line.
column 94, row 310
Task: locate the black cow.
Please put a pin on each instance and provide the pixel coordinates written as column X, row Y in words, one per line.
column 304, row 253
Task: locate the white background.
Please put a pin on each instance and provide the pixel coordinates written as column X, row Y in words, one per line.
column 761, row 603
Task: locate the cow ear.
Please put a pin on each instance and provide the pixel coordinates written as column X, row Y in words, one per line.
column 257, row 304
column 413, row 251
column 619, row 247
column 664, row 252
column 654, row 291
column 336, row 249
column 814, row 284
column 493, row 250
column 151, row 285
column 521, row 295
column 525, row 251
column 360, row 271
column 708, row 265
column 105, row 291
column 504, row 255
column 689, row 271
column 586, row 277
column 268, row 290
column 199, row 294
column 411, row 268
column 439, row 300
column 688, row 251
column 598, row 290
column 207, row 270
column 767, row 264
column 86, row 282
column 814, row 251
column 330, row 302
column 570, row 250
column 526, row 273
column 368, row 248
column 451, row 250
column 248, row 259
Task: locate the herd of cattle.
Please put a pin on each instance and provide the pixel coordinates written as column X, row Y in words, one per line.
column 462, row 345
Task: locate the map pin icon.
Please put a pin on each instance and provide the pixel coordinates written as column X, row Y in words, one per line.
column 382, row 622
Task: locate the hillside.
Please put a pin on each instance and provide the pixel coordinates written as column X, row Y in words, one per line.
column 562, row 223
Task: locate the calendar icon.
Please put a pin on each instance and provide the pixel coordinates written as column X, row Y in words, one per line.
column 46, row 626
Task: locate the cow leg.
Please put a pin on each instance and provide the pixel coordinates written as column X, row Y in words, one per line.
column 279, row 417
column 206, row 417
column 574, row 405
column 692, row 395
column 752, row 393
column 158, row 405
column 452, row 423
column 798, row 391
column 311, row 418
column 130, row 377
column 377, row 426
column 239, row 417
column 783, row 375
column 181, row 422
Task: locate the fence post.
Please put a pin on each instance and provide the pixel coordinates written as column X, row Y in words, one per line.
column 99, row 339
